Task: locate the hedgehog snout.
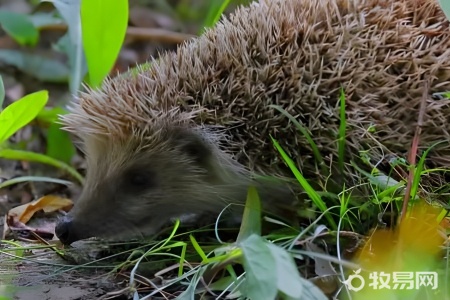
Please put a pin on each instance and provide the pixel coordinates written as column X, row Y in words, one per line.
column 64, row 230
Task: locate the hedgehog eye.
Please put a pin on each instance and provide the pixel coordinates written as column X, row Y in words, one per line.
column 140, row 179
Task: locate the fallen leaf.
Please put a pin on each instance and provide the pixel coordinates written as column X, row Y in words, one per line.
column 48, row 203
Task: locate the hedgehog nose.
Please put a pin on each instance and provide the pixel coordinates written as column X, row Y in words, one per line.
column 64, row 231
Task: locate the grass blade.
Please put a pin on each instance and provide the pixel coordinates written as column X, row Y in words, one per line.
column 307, row 136
column 342, row 129
column 41, row 158
column 21, row 179
column 251, row 221
column 216, row 9
column 315, row 197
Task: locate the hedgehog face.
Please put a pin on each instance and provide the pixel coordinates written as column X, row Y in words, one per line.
column 133, row 189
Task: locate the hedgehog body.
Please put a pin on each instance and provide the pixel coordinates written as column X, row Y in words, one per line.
column 188, row 133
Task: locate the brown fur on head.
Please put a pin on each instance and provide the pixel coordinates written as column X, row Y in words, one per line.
column 294, row 54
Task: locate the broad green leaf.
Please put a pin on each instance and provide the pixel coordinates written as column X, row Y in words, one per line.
column 382, row 181
column 50, row 115
column 251, row 221
column 20, row 113
column 311, row 291
column 103, row 27
column 259, row 265
column 2, row 93
column 42, row 68
column 289, row 282
column 188, row 293
column 216, row 9
column 59, row 144
column 19, row 27
column 40, row 158
column 288, row 278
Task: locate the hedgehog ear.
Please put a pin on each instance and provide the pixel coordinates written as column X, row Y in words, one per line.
column 194, row 146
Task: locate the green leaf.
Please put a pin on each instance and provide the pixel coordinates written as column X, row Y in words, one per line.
column 288, row 278
column 380, row 180
column 50, row 115
column 40, row 67
column 41, row 158
column 19, row 27
column 311, row 291
column 225, row 283
column 251, row 221
column 59, row 144
column 2, row 93
column 103, row 27
column 342, row 131
column 197, row 248
column 20, row 113
column 259, row 265
column 418, row 171
column 216, row 9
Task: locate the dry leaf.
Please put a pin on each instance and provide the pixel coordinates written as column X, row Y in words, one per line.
column 49, row 203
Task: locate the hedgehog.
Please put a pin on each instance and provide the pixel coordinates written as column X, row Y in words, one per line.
column 186, row 134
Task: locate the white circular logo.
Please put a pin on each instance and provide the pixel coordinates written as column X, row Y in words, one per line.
column 349, row 281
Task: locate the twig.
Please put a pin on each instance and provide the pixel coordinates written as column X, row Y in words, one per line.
column 140, row 33
column 158, row 35
column 414, row 149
